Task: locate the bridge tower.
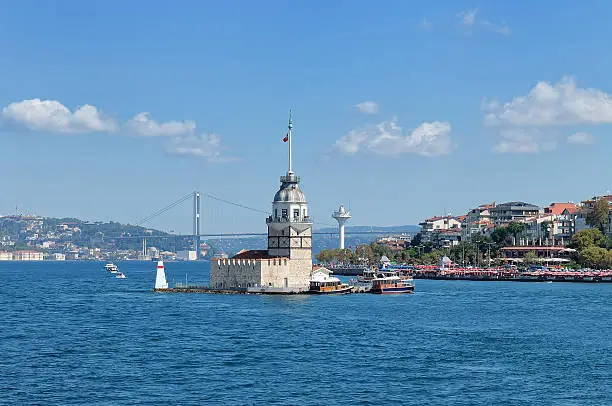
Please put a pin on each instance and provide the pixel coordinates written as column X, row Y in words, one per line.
column 196, row 223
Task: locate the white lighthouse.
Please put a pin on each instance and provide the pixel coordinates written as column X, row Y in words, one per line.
column 342, row 216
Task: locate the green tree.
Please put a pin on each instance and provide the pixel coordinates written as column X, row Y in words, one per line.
column 515, row 228
column 530, row 258
column 324, row 256
column 596, row 257
column 598, row 215
column 587, row 238
column 433, row 257
column 364, row 253
column 500, row 234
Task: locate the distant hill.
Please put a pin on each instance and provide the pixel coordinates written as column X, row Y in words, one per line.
column 410, row 229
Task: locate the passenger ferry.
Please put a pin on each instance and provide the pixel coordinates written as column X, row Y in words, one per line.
column 112, row 268
column 367, row 276
column 391, row 282
column 323, row 283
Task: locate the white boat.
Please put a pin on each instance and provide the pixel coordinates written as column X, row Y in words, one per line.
column 120, row 275
column 112, row 268
column 391, row 282
column 323, row 283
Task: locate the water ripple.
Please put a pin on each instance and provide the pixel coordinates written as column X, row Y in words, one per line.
column 71, row 335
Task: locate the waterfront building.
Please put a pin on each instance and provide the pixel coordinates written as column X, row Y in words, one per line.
column 586, row 205
column 433, row 225
column 447, row 238
column 58, row 256
column 286, row 265
column 545, row 254
column 477, row 221
column 6, row 256
column 27, row 255
column 186, row 255
column 504, row 213
column 395, row 242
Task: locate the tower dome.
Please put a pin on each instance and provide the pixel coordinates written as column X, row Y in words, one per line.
column 290, row 191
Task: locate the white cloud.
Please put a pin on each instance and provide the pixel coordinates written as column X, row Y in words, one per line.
column 53, row 116
column 580, row 138
column 500, row 29
column 142, row 124
column 387, row 138
column 367, row 107
column 561, row 103
column 207, row 146
column 468, row 18
column 521, row 141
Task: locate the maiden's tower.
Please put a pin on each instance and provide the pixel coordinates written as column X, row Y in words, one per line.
column 286, row 266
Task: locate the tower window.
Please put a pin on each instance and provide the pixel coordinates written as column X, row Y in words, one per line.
column 296, row 213
column 284, row 213
column 276, row 213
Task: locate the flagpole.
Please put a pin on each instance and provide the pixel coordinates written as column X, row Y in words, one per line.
column 290, row 137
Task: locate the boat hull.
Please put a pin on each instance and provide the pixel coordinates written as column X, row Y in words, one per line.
column 390, row 290
column 341, row 291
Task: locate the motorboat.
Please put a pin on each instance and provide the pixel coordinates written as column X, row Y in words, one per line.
column 367, row 276
column 391, row 282
column 120, row 275
column 323, row 283
column 112, row 268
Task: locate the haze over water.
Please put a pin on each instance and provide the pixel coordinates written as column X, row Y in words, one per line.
column 71, row 334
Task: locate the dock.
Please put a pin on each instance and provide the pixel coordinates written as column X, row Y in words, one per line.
column 263, row 290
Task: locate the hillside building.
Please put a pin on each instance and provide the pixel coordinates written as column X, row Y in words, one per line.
column 512, row 211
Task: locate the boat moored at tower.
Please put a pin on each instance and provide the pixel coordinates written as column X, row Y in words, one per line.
column 323, row 283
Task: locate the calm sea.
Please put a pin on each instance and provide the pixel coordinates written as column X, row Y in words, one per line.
column 71, row 334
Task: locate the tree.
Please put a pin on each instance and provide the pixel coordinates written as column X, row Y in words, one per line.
column 325, row 256
column 416, row 240
column 365, row 253
column 591, row 237
column 598, row 215
column 500, row 234
column 596, row 257
column 530, row 258
column 515, row 228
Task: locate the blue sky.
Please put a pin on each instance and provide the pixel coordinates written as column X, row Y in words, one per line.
column 404, row 110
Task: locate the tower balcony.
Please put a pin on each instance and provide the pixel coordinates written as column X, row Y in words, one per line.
column 290, row 178
column 299, row 219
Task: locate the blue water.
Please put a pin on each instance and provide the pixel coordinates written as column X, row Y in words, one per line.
column 70, row 334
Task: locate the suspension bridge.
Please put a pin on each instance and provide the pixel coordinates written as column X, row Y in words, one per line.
column 197, row 235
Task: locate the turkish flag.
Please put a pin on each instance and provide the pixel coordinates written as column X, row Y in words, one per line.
column 286, row 138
